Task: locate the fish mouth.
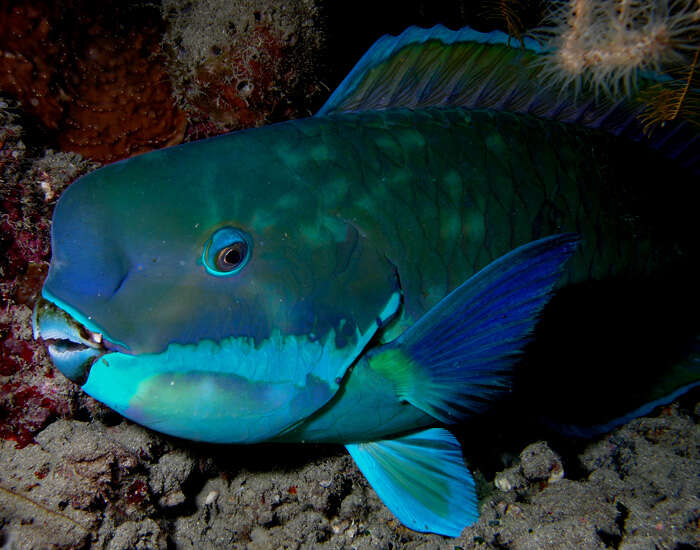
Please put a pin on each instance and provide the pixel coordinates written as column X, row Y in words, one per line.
column 73, row 348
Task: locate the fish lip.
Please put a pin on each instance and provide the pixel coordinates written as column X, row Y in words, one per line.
column 80, row 335
column 63, row 347
column 72, row 347
column 66, row 348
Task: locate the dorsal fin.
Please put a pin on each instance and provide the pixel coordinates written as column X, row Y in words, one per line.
column 438, row 67
column 434, row 67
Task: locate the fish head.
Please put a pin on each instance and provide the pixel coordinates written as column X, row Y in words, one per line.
column 214, row 300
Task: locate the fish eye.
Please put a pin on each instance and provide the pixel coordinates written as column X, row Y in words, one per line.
column 227, row 251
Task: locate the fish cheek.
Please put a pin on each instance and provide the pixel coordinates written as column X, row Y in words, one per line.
column 220, row 407
column 230, row 392
column 208, row 406
column 157, row 307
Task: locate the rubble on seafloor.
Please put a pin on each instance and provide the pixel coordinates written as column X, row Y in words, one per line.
column 122, row 486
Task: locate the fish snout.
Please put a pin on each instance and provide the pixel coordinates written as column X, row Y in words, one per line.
column 72, row 347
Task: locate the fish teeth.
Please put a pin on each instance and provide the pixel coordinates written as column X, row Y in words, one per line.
column 51, row 323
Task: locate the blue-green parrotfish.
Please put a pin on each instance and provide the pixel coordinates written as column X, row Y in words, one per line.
column 364, row 276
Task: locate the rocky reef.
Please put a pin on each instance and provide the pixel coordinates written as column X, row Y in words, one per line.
column 123, row 78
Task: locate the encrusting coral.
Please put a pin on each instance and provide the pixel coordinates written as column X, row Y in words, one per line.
column 27, row 60
column 93, row 75
column 124, row 104
column 97, row 76
column 242, row 64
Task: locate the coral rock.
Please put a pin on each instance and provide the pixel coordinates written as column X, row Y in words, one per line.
column 539, row 463
column 143, row 535
column 243, row 64
column 27, row 58
column 169, row 475
column 93, row 75
column 124, row 105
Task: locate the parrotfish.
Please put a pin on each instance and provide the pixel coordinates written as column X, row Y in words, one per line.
column 364, row 276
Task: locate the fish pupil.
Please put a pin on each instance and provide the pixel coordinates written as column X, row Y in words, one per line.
column 232, row 256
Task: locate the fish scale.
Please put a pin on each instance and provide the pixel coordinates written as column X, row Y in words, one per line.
column 394, row 202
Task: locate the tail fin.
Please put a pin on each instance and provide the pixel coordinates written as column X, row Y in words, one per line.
column 683, row 377
column 461, row 353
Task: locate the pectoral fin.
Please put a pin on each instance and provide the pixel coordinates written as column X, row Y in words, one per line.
column 460, row 355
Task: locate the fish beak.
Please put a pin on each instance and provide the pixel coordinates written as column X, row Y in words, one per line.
column 72, row 347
